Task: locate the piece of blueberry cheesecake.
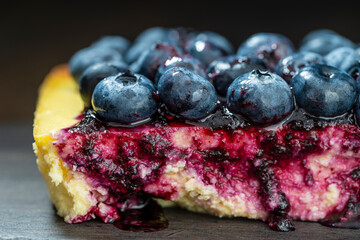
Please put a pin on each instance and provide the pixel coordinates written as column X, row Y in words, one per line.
column 176, row 118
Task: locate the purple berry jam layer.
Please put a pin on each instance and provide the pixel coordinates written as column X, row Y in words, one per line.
column 292, row 172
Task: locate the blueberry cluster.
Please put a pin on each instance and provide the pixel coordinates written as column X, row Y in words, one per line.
column 190, row 73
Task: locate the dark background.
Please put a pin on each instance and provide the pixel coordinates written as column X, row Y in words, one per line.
column 35, row 36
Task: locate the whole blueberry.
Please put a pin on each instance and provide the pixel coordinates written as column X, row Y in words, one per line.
column 124, row 98
column 118, row 43
column 86, row 57
column 94, row 74
column 223, row 71
column 150, row 60
column 186, row 61
column 323, row 90
column 290, row 65
column 145, row 40
column 187, row 94
column 261, row 97
column 269, row 47
column 322, row 41
column 208, row 46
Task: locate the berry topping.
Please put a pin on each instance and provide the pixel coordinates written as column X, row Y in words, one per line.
column 193, row 63
column 270, row 47
column 324, row 91
column 208, row 46
column 94, row 74
column 124, row 98
column 86, row 57
column 149, row 61
column 186, row 61
column 187, row 94
column 261, row 97
column 290, row 65
column 118, row 43
column 222, row 72
column 323, row 41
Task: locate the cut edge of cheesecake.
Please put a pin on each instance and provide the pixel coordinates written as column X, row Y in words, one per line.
column 59, row 103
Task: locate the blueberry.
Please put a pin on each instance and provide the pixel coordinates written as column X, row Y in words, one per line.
column 208, row 46
column 118, row 43
column 357, row 111
column 354, row 72
column 150, row 60
column 145, row 40
column 223, row 71
column 323, row 41
column 347, row 59
column 86, row 57
column 342, row 57
column 261, row 97
column 290, row 65
column 323, row 90
column 187, row 94
column 182, row 36
column 94, row 74
column 124, row 98
column 186, row 61
column 270, row 47
column 220, row 41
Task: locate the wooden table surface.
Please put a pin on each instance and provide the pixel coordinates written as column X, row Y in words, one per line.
column 26, row 212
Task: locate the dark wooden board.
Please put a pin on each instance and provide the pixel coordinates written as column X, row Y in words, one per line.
column 26, row 212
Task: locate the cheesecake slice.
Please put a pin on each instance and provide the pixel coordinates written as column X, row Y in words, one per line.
column 301, row 169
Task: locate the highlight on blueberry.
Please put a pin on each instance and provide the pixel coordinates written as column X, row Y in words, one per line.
column 187, row 94
column 261, row 97
column 324, row 91
column 124, row 98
